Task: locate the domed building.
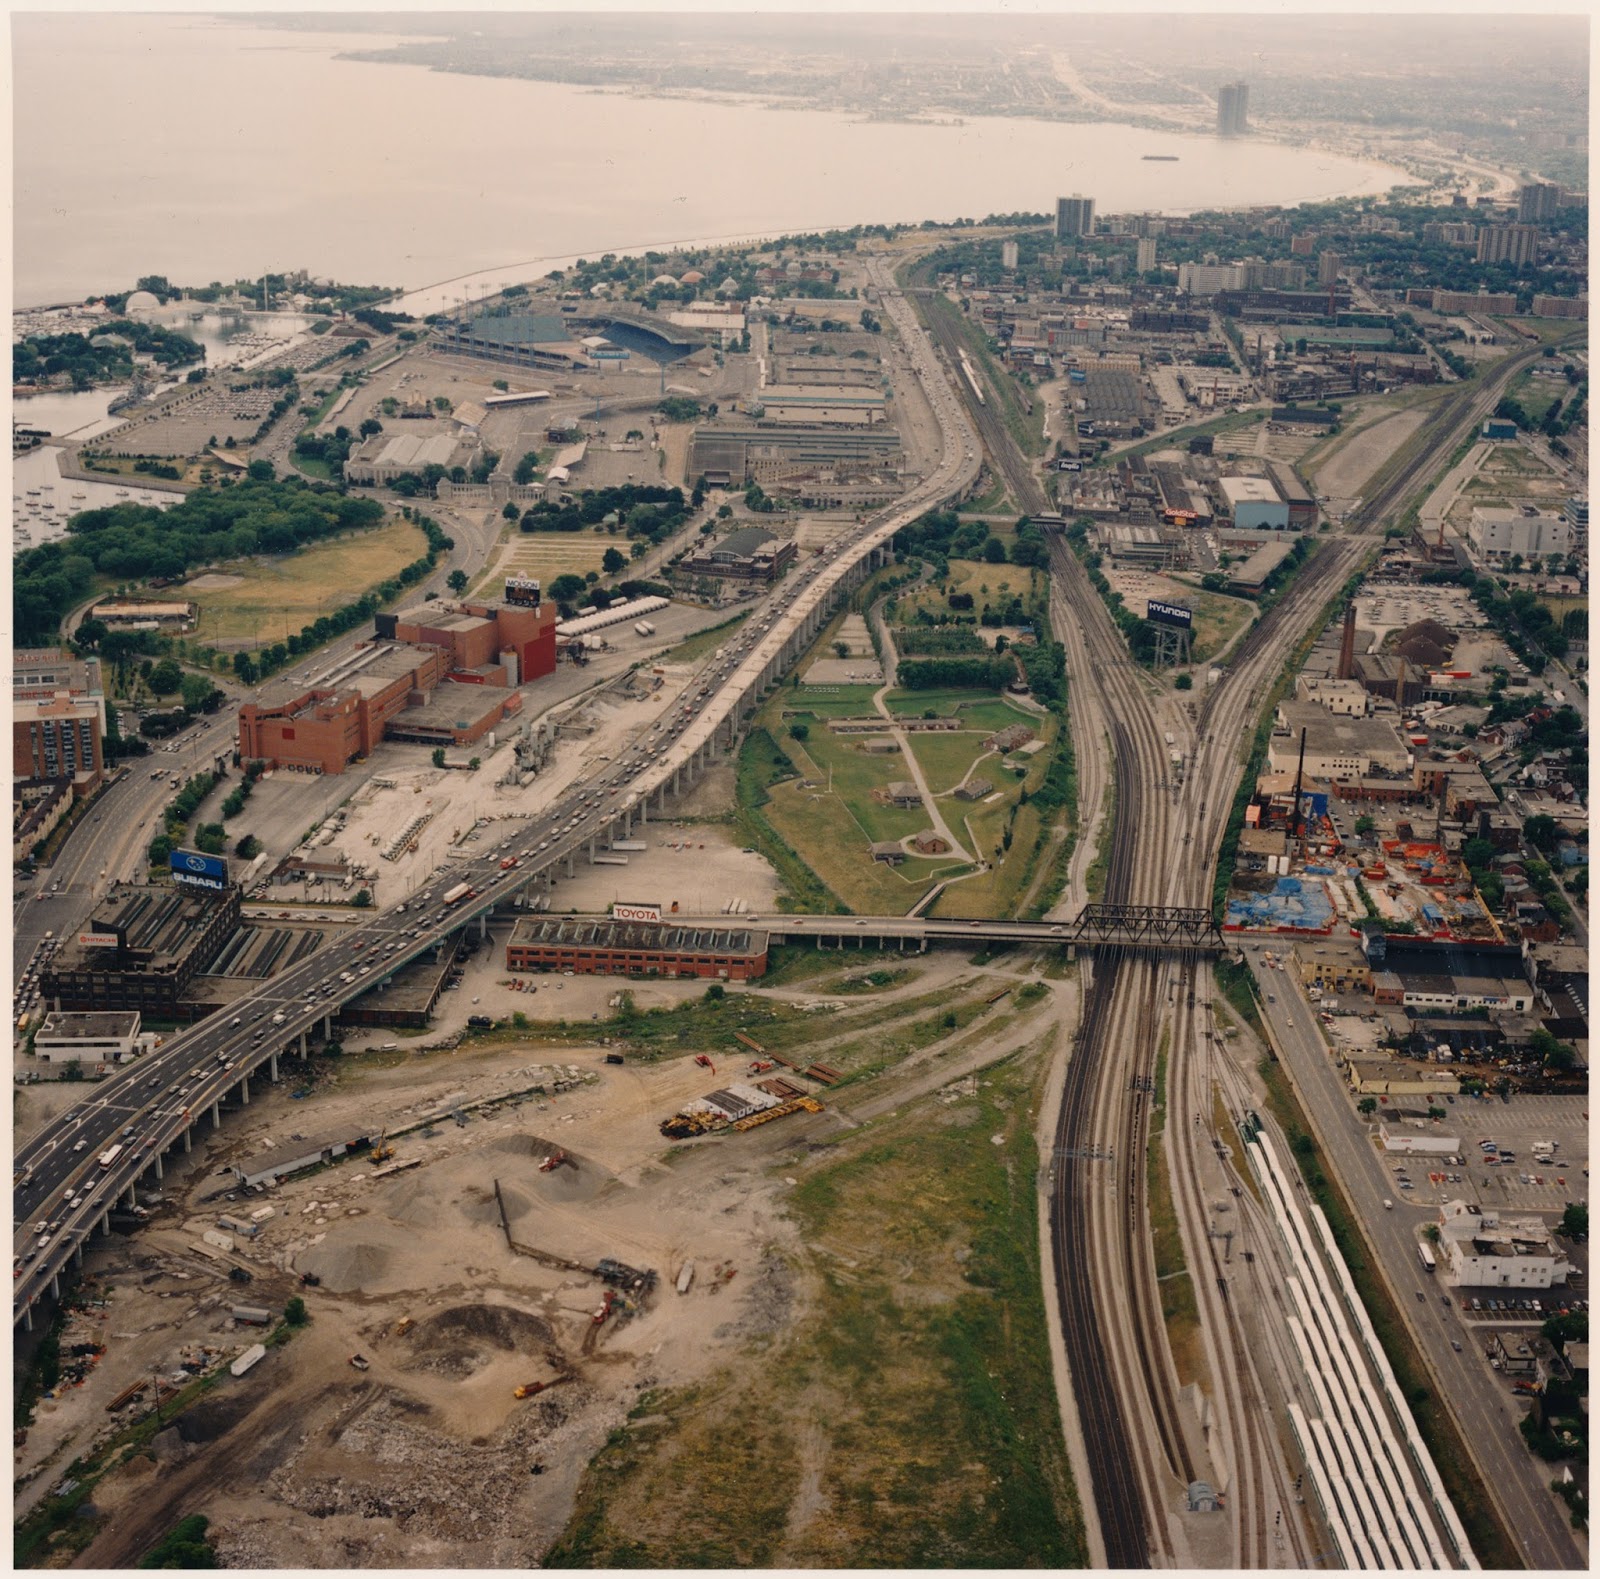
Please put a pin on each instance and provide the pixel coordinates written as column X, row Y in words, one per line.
column 693, row 277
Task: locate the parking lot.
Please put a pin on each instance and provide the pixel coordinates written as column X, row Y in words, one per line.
column 1511, row 1177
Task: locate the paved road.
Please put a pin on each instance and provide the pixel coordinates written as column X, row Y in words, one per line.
column 148, row 1107
column 1479, row 1398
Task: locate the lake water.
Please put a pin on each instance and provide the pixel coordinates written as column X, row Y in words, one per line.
column 204, row 149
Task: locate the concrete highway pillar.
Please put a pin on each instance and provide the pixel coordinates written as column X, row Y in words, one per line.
column 55, row 1286
column 305, row 1051
column 128, row 1199
column 77, row 1254
column 677, row 780
column 272, row 1064
column 711, row 748
column 188, row 1140
column 483, row 923
column 571, row 867
column 156, row 1160
column 105, row 1222
column 216, row 1115
column 644, row 812
column 27, row 1318
column 627, row 823
column 327, row 1035
column 661, row 797
column 244, row 1091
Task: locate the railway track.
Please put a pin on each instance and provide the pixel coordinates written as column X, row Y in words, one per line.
column 1164, row 849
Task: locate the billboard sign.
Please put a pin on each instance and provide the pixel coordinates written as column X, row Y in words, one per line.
column 625, row 912
column 195, row 870
column 1168, row 613
column 522, row 590
column 608, row 354
column 100, row 939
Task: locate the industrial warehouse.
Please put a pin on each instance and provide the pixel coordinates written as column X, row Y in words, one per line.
column 587, row 947
column 439, row 674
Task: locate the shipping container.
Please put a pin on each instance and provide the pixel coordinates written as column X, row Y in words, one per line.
column 252, row 1315
column 250, row 1357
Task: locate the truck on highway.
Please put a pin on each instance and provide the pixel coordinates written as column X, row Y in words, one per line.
column 110, row 1155
column 455, row 895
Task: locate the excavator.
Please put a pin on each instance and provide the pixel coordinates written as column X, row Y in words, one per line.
column 382, row 1151
column 554, row 1161
column 704, row 1062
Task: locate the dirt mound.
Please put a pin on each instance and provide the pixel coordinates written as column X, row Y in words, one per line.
column 343, row 1267
column 576, row 1180
column 459, row 1342
column 479, row 1205
column 409, row 1203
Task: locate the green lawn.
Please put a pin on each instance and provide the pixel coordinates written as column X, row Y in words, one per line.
column 944, row 759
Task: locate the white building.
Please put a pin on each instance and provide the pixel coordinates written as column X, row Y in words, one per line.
column 107, row 1038
column 1480, row 1249
column 1497, row 534
column 1337, row 747
column 1206, row 279
column 1343, row 698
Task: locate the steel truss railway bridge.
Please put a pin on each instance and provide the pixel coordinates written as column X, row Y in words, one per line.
column 1134, row 929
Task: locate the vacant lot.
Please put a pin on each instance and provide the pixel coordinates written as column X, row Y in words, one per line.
column 906, row 1419
column 264, row 599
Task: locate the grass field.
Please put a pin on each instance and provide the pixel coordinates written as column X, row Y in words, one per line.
column 277, row 596
column 976, row 709
column 551, row 554
column 944, row 759
column 829, row 701
column 1217, row 620
column 908, row 1419
column 986, row 583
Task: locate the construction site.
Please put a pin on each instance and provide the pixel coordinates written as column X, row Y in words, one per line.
column 501, row 1245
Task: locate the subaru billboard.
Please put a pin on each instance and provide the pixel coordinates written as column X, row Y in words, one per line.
column 195, row 870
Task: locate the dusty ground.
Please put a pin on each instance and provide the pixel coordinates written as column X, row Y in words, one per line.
column 1345, row 471
column 424, row 1459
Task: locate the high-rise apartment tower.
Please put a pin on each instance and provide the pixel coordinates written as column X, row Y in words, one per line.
column 1233, row 109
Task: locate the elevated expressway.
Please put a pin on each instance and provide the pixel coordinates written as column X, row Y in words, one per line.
column 155, row 1104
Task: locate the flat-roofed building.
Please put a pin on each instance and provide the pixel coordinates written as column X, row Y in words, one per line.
column 41, row 672
column 1480, row 1248
column 144, row 613
column 590, row 947
column 1495, row 535
column 836, row 405
column 110, row 1037
column 58, row 737
column 1337, row 747
column 146, row 946
column 1253, row 504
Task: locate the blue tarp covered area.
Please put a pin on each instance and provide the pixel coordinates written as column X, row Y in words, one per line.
column 1290, row 904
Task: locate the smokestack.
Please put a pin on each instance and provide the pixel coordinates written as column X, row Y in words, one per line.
column 1347, row 643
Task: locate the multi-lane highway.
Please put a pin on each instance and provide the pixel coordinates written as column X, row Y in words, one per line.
column 59, row 1180
column 1487, row 1418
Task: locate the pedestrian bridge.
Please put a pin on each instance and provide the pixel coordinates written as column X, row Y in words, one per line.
column 1145, row 928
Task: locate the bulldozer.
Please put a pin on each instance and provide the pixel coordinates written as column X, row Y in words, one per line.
column 533, row 1389
column 404, row 1325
